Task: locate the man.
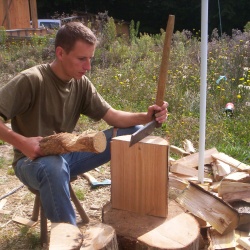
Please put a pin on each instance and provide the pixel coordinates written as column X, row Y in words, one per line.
column 50, row 98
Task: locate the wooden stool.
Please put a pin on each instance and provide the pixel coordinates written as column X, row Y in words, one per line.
column 43, row 220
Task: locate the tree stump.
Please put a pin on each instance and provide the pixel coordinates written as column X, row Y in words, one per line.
column 65, row 237
column 135, row 231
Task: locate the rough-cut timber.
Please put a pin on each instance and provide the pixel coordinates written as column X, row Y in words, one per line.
column 65, row 237
column 65, row 142
column 139, row 175
column 135, row 231
column 99, row 237
column 210, row 208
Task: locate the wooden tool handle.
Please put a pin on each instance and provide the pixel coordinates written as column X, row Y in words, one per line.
column 165, row 61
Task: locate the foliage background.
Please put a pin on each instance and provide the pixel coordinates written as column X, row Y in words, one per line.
column 125, row 71
column 153, row 14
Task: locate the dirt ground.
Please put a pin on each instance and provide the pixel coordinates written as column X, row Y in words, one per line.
column 17, row 236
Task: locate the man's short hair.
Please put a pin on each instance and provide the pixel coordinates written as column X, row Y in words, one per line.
column 69, row 33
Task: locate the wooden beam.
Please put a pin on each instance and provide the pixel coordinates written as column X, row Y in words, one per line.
column 33, row 13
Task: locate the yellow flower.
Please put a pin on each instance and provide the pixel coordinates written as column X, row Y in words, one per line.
column 239, row 96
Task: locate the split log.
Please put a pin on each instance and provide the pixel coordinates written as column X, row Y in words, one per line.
column 101, row 237
column 243, row 239
column 65, row 142
column 231, row 161
column 179, row 151
column 65, row 236
column 193, row 178
column 238, row 176
column 243, row 209
column 136, row 231
column 192, row 160
column 218, row 241
column 176, row 182
column 235, row 196
column 231, row 187
column 188, row 164
column 220, row 169
column 188, row 146
column 221, row 216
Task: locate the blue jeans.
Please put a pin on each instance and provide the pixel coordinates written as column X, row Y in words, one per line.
column 51, row 175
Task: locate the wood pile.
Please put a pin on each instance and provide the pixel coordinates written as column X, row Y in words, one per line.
column 221, row 201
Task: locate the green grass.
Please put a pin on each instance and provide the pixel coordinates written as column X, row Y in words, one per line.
column 126, row 72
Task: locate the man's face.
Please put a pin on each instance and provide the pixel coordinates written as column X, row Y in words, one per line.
column 78, row 61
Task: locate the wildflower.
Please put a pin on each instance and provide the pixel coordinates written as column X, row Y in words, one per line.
column 238, row 96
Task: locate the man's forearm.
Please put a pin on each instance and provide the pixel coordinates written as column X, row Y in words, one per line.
column 9, row 136
column 122, row 119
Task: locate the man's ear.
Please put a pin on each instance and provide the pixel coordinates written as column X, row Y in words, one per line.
column 59, row 52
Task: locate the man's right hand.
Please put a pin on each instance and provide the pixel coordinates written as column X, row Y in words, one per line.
column 31, row 147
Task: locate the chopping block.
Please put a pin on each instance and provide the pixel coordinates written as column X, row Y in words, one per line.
column 139, row 175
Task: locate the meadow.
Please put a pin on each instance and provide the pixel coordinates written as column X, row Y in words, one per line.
column 125, row 71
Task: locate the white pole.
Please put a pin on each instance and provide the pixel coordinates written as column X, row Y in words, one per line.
column 203, row 87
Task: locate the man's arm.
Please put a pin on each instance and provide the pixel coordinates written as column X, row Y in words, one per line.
column 28, row 146
column 123, row 119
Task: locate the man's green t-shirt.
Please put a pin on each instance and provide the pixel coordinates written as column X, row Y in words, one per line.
column 40, row 104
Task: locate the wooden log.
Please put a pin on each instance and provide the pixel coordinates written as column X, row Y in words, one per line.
column 135, row 231
column 100, row 237
column 65, row 142
column 65, row 236
column 210, row 208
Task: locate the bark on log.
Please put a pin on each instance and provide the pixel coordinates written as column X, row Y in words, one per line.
column 135, row 231
column 61, row 143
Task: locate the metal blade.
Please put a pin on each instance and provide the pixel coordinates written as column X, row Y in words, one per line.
column 143, row 132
